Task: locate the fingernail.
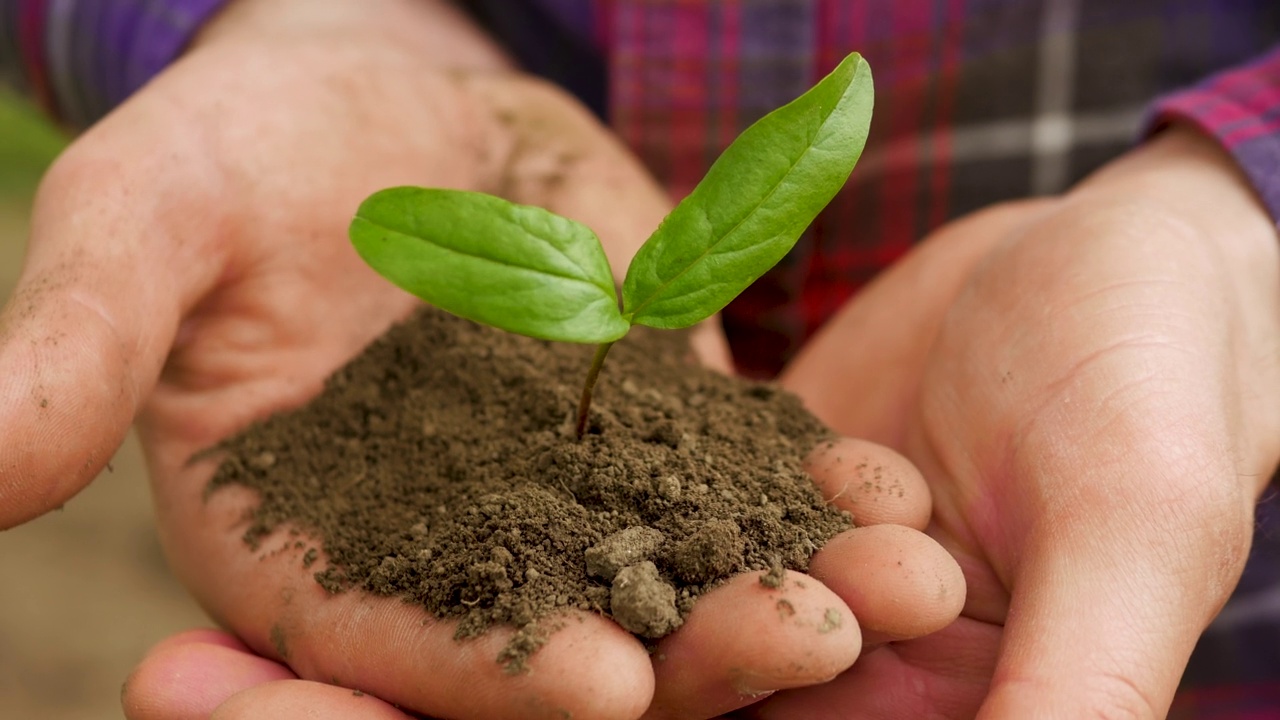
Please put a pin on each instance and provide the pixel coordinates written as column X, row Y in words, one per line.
column 748, row 685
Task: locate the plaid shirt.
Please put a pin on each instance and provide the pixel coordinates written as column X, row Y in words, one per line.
column 977, row 101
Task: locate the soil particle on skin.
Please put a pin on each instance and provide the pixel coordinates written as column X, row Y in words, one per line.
column 278, row 642
column 785, row 609
column 773, row 579
column 831, row 621
column 441, row 466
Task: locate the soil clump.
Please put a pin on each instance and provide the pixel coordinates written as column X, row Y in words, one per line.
column 441, row 466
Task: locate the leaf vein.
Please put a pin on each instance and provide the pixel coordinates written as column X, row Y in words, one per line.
column 484, row 258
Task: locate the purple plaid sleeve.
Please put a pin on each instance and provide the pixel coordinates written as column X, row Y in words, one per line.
column 1241, row 108
column 81, row 58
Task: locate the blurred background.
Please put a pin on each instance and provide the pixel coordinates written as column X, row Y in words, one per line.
column 84, row 591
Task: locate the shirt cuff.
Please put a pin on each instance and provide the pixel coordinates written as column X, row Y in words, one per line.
column 1239, row 107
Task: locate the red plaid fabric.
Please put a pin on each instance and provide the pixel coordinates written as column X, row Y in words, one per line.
column 1260, row 701
column 977, row 101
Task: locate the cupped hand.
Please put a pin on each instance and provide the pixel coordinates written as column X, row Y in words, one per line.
column 742, row 642
column 189, row 268
column 1087, row 385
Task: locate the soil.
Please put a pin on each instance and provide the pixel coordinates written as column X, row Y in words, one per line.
column 441, row 466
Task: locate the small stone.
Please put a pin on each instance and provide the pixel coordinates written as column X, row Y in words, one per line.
column 263, row 460
column 623, row 548
column 489, row 575
column 711, row 553
column 531, row 574
column 642, row 602
column 665, row 433
column 688, row 442
column 669, row 488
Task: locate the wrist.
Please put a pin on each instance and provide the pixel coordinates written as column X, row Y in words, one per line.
column 1187, row 177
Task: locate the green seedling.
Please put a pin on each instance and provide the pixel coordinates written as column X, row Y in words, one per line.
column 529, row 271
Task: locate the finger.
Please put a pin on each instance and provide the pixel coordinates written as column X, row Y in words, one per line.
column 1082, row 656
column 1112, row 641
column 745, row 640
column 873, row 483
column 382, row 645
column 87, row 329
column 861, row 372
column 186, row 677
column 305, row 699
column 205, row 636
column 898, row 582
column 944, row 675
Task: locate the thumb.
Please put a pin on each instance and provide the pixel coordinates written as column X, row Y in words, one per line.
column 1139, row 537
column 87, row 329
column 1111, row 643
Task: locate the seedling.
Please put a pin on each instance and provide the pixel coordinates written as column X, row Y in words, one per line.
column 529, row 271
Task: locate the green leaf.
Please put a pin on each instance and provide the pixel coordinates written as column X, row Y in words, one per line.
column 753, row 204
column 516, row 267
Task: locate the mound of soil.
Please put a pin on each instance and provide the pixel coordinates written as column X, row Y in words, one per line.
column 441, row 466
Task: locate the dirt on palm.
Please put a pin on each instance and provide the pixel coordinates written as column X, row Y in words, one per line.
column 441, row 466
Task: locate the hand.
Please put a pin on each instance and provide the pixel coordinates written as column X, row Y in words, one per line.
column 1088, row 386
column 902, row 585
column 189, row 267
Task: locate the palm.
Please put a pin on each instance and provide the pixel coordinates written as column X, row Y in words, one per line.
column 1066, row 389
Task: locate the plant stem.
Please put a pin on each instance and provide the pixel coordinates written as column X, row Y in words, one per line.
column 584, row 405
